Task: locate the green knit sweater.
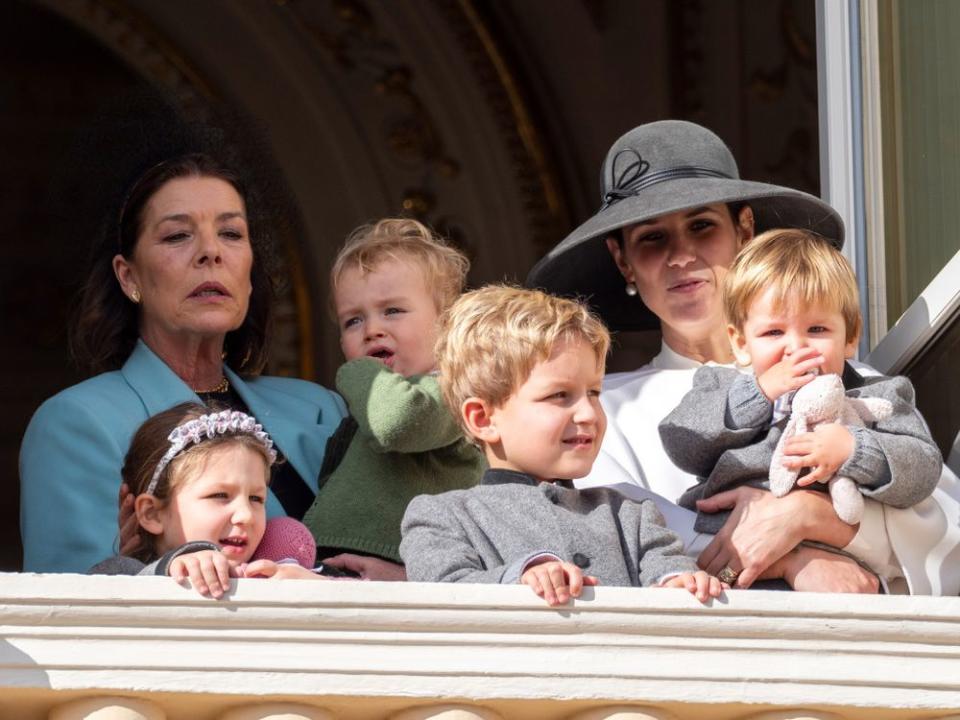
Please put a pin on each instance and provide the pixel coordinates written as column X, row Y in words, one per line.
column 407, row 444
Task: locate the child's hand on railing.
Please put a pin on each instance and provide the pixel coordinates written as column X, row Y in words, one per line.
column 209, row 571
column 701, row 585
column 556, row 581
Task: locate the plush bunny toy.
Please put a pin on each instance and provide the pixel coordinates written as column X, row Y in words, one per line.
column 823, row 400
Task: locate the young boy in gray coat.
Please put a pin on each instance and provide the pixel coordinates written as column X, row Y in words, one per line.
column 792, row 305
column 522, row 370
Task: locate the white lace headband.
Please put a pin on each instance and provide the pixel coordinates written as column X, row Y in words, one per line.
column 193, row 432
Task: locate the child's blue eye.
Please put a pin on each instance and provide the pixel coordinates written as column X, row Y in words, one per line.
column 350, row 322
column 818, row 329
column 217, row 496
column 258, row 499
column 393, row 311
column 772, row 333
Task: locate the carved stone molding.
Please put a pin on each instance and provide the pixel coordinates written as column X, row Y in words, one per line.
column 349, row 35
column 542, row 194
column 352, row 37
column 131, row 36
column 107, row 708
column 375, row 650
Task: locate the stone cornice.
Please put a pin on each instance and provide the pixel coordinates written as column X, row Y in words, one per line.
column 306, row 639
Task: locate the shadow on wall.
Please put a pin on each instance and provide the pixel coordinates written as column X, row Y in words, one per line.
column 20, row 672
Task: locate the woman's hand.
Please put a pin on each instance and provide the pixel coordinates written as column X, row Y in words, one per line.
column 127, row 521
column 762, row 529
column 810, row 569
column 556, row 581
column 699, row 584
column 278, row 571
column 368, row 568
column 209, row 571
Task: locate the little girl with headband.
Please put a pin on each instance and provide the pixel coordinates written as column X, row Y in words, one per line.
column 200, row 481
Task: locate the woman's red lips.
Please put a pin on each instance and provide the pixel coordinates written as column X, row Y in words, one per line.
column 210, row 289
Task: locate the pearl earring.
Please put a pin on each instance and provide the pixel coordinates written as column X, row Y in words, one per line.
column 631, row 289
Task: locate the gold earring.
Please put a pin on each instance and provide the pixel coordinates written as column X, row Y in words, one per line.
column 135, row 296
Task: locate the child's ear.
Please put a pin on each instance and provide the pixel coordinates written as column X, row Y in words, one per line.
column 850, row 349
column 148, row 508
column 738, row 343
column 478, row 419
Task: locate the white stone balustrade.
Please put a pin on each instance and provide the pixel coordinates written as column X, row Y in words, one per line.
column 117, row 648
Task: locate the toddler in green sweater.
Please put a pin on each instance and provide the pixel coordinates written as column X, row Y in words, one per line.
column 389, row 284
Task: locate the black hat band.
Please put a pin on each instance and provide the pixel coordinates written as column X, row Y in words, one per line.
column 636, row 178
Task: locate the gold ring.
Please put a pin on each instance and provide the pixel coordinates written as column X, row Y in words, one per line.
column 728, row 575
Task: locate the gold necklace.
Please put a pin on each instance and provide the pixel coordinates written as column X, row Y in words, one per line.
column 220, row 387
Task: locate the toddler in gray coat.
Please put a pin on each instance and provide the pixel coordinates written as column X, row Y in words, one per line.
column 792, row 305
column 522, row 371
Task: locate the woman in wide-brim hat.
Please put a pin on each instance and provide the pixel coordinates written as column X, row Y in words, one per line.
column 674, row 214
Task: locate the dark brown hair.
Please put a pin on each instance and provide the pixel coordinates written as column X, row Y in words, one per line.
column 734, row 208
column 147, row 448
column 106, row 326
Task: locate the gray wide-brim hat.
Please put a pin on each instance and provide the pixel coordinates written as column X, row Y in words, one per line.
column 656, row 169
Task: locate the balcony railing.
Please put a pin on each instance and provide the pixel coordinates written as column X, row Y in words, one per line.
column 120, row 648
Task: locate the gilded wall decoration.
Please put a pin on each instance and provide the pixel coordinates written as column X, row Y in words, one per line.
column 348, row 32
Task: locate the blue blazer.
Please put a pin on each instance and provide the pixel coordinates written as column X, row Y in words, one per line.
column 75, row 444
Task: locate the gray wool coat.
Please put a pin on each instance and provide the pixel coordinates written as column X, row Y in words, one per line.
column 722, row 432
column 123, row 565
column 488, row 533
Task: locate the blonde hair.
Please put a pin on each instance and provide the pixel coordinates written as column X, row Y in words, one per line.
column 800, row 266
column 491, row 338
column 444, row 267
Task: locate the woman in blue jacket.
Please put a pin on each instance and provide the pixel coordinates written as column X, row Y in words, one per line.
column 176, row 308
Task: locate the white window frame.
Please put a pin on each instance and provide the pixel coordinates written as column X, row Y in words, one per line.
column 922, row 323
column 841, row 132
column 852, row 182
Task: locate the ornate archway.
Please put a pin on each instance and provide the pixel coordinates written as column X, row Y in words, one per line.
column 370, row 109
